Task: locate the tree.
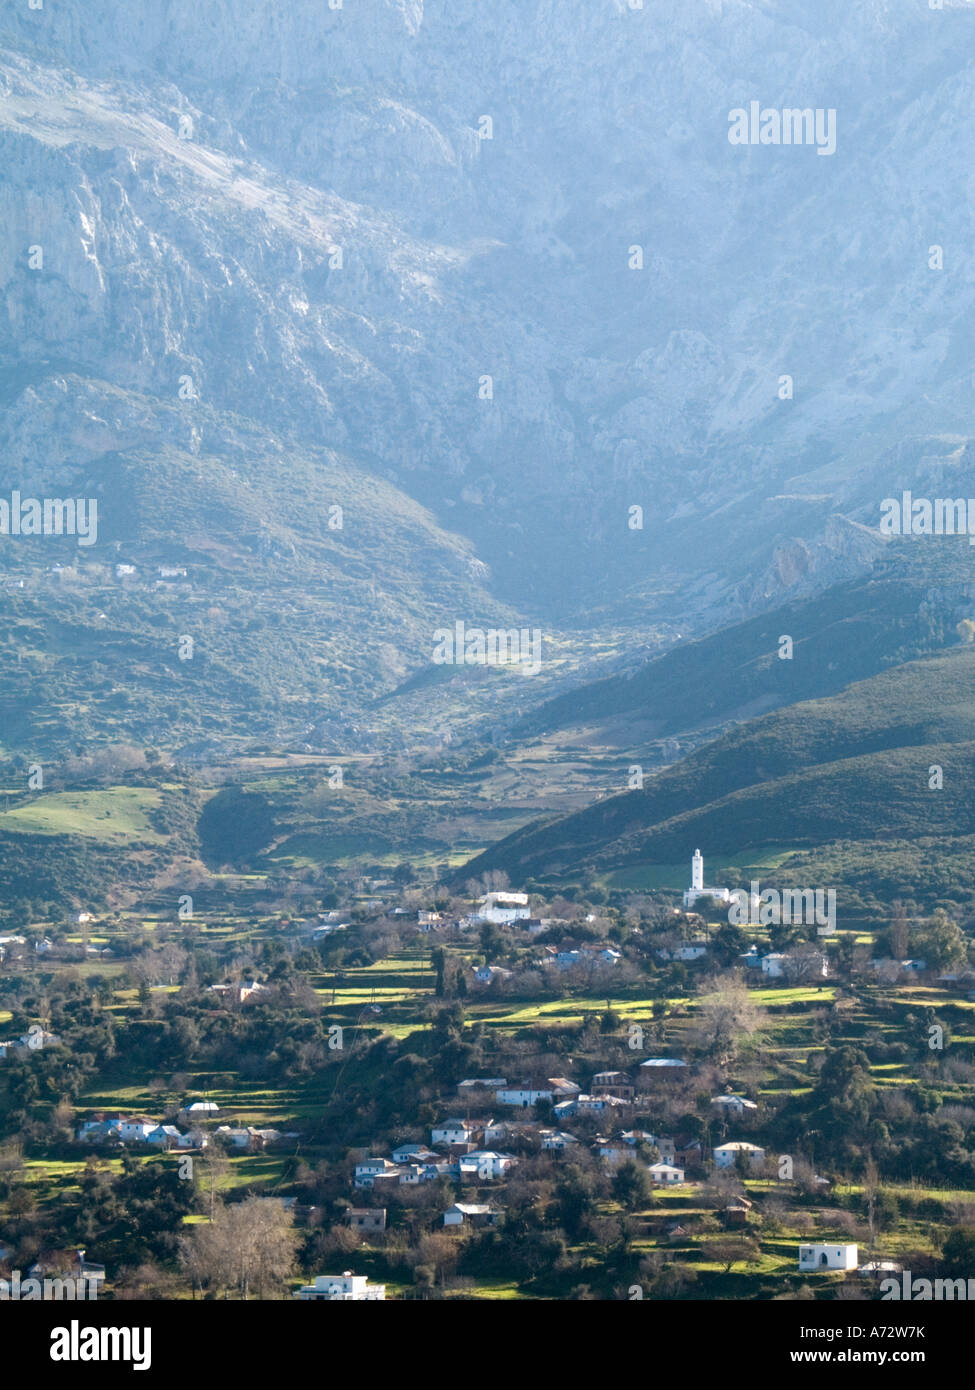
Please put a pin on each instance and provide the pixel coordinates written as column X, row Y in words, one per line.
column 729, row 943
column 631, row 1186
column 439, row 959
column 802, row 964
column 899, row 931
column 939, row 940
column 492, row 944
column 958, row 1253
column 250, row 1245
column 234, row 826
column 728, row 1015
column 731, row 1251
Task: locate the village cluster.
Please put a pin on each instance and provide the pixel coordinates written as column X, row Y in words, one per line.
column 682, row 1122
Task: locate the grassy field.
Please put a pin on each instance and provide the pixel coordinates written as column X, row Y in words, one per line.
column 116, row 816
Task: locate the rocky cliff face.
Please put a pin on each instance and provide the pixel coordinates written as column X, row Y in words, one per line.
column 503, row 257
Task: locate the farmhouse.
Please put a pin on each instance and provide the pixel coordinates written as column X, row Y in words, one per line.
column 487, row 974
column 690, row 950
column 370, row 1169
column 484, row 1164
column 413, row 1153
column 556, row 1139
column 727, row 1155
column 164, row 1137
column 502, row 908
column 67, row 1264
column 453, row 1132
column 469, row 1214
column 823, row 1256
column 665, row 1174
column 524, row 1095
column 613, row 1083
column 366, row 1218
column 199, row 1109
column 138, row 1130
column 341, row 1288
column 732, row 1104
column 778, row 963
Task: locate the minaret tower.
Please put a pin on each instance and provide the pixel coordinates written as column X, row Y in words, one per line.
column 697, row 871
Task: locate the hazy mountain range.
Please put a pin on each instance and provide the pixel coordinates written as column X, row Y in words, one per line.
column 192, row 351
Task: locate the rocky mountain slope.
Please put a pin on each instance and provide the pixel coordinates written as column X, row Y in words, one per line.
column 271, row 238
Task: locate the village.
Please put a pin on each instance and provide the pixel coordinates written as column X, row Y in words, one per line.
column 655, row 1109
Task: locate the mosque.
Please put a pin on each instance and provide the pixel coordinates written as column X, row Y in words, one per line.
column 698, row 888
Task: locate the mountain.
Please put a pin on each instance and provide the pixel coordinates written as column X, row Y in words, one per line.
column 907, row 603
column 852, row 770
column 383, row 253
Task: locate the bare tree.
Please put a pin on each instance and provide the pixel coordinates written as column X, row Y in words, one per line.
column 248, row 1246
column 728, row 1016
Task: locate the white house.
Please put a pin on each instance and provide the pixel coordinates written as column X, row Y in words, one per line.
column 413, row 1153
column 665, row 1174
column 776, row 964
column 137, row 1131
column 480, row 1083
column 98, row 1131
column 662, row 1063
column 691, row 950
column 164, row 1137
column 733, row 1104
column 341, row 1288
column 464, row 1213
column 698, row 889
column 452, row 1132
column 411, row 1174
column 487, row 974
column 556, row 1139
column 609, row 954
column 824, row 1256
column 726, row 1155
column 485, row 1164
column 502, row 908
column 523, row 1095
column 370, row 1169
column 595, row 1105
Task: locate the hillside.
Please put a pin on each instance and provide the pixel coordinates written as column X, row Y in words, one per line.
column 905, row 606
column 177, row 197
column 851, row 767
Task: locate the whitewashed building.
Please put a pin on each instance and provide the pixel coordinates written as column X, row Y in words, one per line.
column 698, row 888
column 341, row 1288
column 502, row 908
column 726, row 1155
column 823, row 1255
column 665, row 1174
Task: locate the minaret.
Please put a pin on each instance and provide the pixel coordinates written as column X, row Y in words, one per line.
column 697, row 871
